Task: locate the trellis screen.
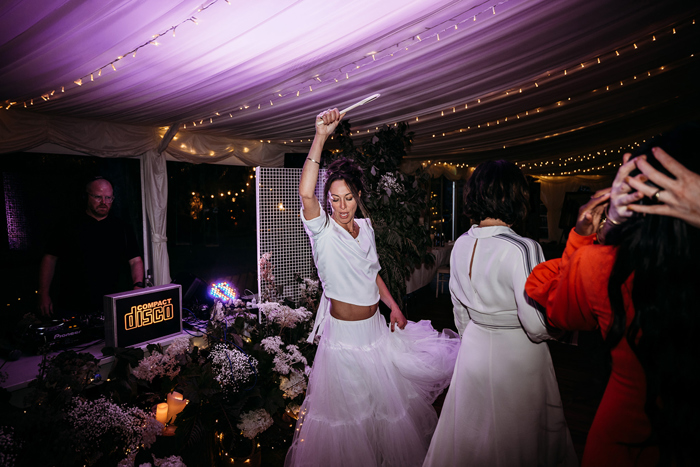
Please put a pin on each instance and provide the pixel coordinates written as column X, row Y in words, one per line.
column 280, row 231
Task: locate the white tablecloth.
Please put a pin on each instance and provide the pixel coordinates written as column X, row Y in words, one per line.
column 424, row 275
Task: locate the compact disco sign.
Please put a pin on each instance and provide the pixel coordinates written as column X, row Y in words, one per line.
column 142, row 315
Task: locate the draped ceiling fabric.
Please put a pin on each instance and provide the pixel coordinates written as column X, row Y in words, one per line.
column 546, row 83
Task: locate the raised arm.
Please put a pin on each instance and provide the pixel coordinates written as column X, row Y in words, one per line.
column 325, row 124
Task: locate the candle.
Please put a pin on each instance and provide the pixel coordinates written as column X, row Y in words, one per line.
column 162, row 413
column 176, row 403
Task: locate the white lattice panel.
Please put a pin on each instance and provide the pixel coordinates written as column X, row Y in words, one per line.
column 280, row 231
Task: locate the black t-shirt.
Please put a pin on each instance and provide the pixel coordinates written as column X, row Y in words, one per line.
column 92, row 255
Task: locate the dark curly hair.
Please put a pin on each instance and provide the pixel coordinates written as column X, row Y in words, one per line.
column 499, row 190
column 351, row 173
column 663, row 253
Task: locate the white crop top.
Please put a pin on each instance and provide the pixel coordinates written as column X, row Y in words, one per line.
column 347, row 267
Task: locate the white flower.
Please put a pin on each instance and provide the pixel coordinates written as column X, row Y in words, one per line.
column 309, row 292
column 217, row 313
column 8, row 446
column 308, row 287
column 389, row 184
column 294, row 385
column 129, row 460
column 255, row 422
column 157, row 365
column 232, row 368
column 100, row 421
column 284, row 315
column 283, row 359
column 179, row 346
column 172, row 461
column 272, row 344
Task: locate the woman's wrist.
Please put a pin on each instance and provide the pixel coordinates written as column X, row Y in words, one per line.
column 609, row 219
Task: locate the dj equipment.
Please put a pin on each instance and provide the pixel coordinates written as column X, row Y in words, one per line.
column 194, row 289
column 60, row 334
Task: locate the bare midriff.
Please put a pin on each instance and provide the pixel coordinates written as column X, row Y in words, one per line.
column 349, row 312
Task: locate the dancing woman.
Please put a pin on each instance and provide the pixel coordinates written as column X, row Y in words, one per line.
column 640, row 289
column 371, row 389
column 503, row 407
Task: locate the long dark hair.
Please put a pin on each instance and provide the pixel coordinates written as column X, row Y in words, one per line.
column 663, row 253
column 499, row 190
column 351, row 173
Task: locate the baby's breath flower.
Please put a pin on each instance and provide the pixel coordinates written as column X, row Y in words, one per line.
column 179, row 346
column 232, row 368
column 101, row 424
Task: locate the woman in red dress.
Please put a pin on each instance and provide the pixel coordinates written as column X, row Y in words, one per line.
column 641, row 290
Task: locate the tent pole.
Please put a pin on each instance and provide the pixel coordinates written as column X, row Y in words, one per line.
column 144, row 227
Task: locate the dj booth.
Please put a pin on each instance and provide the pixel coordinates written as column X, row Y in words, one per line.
column 134, row 318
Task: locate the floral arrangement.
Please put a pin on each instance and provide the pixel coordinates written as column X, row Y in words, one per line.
column 243, row 381
column 268, row 289
column 100, row 427
column 309, row 292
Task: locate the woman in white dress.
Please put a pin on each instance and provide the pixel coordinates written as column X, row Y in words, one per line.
column 371, row 389
column 503, row 406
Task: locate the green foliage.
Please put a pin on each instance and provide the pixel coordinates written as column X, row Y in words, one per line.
column 395, row 201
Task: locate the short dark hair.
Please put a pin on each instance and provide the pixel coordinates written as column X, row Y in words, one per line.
column 499, row 190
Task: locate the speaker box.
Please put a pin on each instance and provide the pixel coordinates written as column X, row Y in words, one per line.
column 194, row 289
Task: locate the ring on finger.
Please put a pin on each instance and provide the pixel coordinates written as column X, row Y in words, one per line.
column 657, row 195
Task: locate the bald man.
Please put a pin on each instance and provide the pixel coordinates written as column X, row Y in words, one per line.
column 90, row 251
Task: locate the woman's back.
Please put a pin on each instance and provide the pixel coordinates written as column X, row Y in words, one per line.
column 489, row 268
column 503, row 406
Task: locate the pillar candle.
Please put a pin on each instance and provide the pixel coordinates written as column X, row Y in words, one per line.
column 162, row 413
column 176, row 403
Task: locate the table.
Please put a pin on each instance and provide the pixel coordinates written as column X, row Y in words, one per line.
column 24, row 370
column 424, row 275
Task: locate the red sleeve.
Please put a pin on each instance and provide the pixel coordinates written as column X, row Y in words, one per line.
column 559, row 286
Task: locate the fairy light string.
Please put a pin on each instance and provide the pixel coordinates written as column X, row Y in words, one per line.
column 556, row 167
column 373, row 58
column 97, row 73
column 332, row 77
column 431, row 36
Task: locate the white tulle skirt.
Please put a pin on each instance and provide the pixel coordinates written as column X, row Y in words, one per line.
column 370, row 394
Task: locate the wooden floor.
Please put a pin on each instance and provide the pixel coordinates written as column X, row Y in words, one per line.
column 581, row 369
